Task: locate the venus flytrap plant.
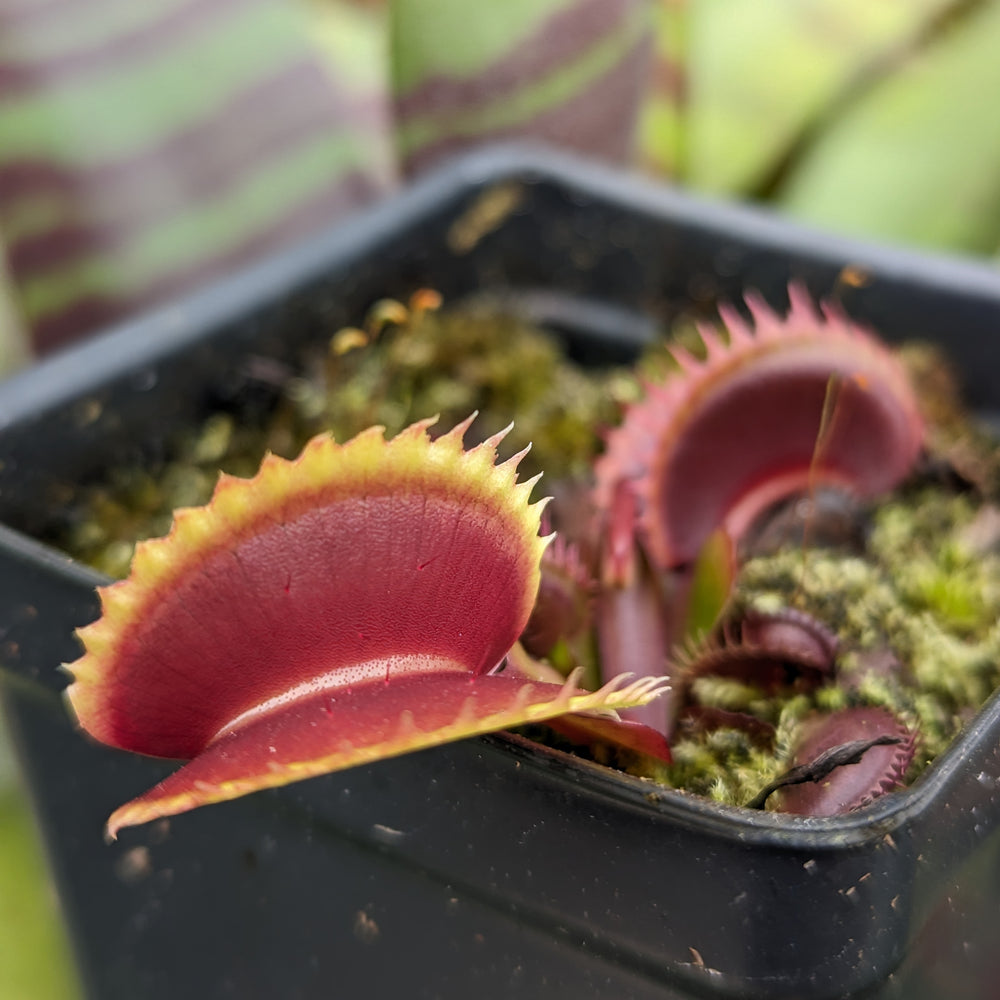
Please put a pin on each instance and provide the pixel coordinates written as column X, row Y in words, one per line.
column 342, row 608
column 776, row 408
column 380, row 596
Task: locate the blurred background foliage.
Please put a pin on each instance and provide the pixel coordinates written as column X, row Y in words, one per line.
column 147, row 148
column 858, row 117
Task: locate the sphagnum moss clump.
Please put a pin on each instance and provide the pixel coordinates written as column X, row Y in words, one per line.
column 407, row 364
column 909, row 644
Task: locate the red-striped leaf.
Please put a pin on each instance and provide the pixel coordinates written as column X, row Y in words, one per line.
column 571, row 72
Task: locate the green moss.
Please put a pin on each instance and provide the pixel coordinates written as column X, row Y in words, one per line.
column 408, row 365
column 922, row 542
column 920, row 592
column 728, row 766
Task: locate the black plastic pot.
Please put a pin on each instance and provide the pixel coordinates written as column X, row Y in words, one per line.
column 490, row 868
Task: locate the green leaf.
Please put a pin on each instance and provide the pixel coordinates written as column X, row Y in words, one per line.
column 15, row 351
column 918, row 159
column 711, row 585
column 36, row 963
column 761, row 73
column 664, row 121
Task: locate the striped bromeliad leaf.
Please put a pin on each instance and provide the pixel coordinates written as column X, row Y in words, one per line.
column 148, row 147
column 345, row 607
column 570, row 72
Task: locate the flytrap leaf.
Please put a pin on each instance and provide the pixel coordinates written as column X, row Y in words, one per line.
column 333, row 610
column 779, row 407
